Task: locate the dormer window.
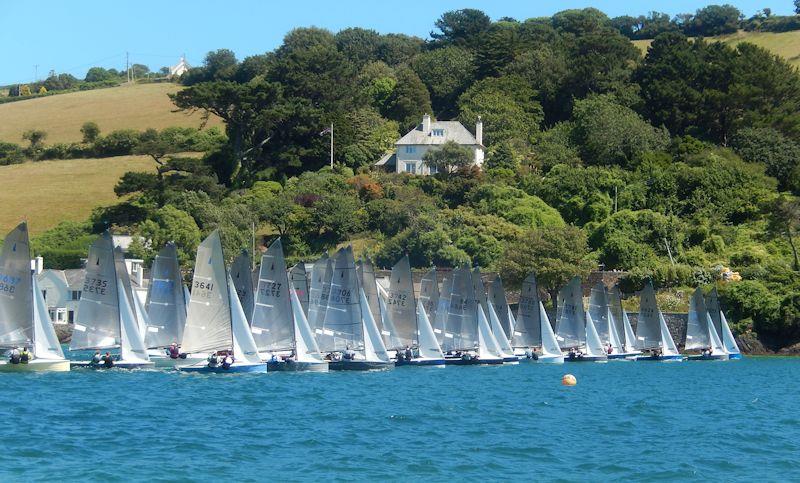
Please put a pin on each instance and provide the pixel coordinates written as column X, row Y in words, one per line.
column 437, row 132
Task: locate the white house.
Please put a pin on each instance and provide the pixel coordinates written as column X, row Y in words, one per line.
column 178, row 69
column 409, row 150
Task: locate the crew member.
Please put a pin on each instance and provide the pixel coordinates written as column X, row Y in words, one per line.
column 25, row 356
column 108, row 360
column 14, row 356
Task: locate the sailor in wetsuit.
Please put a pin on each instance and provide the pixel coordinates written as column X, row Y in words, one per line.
column 174, row 352
column 108, row 360
column 14, row 356
column 96, row 359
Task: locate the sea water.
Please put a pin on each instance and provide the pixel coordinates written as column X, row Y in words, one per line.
column 719, row 421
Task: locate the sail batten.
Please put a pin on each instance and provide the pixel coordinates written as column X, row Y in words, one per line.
column 401, row 305
column 648, row 330
column 272, row 322
column 528, row 329
column 166, row 300
column 342, row 327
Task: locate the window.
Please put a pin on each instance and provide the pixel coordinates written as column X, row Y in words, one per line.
column 434, row 170
column 411, row 168
column 75, row 295
column 411, row 149
column 71, row 316
column 438, row 132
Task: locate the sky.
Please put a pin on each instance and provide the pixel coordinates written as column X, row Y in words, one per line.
column 71, row 36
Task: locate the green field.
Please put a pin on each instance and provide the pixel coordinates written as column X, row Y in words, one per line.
column 47, row 192
column 785, row 44
column 126, row 107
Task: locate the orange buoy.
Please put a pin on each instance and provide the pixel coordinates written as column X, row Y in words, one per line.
column 568, row 380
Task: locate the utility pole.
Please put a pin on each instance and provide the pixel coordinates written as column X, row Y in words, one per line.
column 331, row 145
column 36, row 73
column 127, row 68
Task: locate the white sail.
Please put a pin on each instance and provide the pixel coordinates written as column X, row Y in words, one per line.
column 731, row 347
column 461, row 325
column 97, row 323
column 208, row 323
column 305, row 344
column 497, row 297
column 480, row 290
column 429, row 294
column 243, row 282
column 621, row 321
column 714, row 310
column 428, row 345
column 598, row 309
column 488, row 348
column 142, row 319
column 244, row 347
column 668, row 346
column 16, row 293
column 366, row 276
column 697, row 331
column 648, row 331
column 630, row 337
column 499, row 333
column 299, row 281
column 318, row 293
column 167, row 300
column 613, row 337
column 571, row 323
column 386, row 326
column 549, row 343
column 440, row 321
column 594, row 346
column 528, row 327
column 342, row 327
column 713, row 337
column 132, row 348
column 374, row 349
column 45, row 341
column 401, row 305
column 186, row 297
column 272, row 323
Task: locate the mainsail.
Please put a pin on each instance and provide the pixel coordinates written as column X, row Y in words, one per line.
column 499, row 334
column 97, row 322
column 366, row 277
column 712, row 304
column 648, row 330
column 480, row 290
column 306, row 347
column 320, row 289
column 461, row 323
column 208, row 323
column 429, row 293
column 697, row 327
column 571, row 323
column 497, row 297
column 45, row 341
column 243, row 282
column 16, row 292
column 299, row 282
column 528, row 330
column 401, row 305
column 442, row 309
column 594, row 346
column 166, row 303
column 428, row 345
column 273, row 323
column 621, row 321
column 342, row 327
column 598, row 309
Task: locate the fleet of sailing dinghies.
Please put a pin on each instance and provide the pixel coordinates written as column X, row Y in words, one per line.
column 24, row 321
column 334, row 317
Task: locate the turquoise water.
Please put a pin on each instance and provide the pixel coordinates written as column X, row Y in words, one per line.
column 723, row 421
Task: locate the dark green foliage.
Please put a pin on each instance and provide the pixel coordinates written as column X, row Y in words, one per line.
column 10, row 153
column 449, row 157
column 463, row 28
column 409, row 99
column 447, row 73
column 90, row 131
column 770, row 147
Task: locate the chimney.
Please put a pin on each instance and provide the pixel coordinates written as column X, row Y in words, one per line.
column 479, row 131
column 39, row 264
column 426, row 123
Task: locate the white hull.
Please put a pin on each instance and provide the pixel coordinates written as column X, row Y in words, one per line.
column 550, row 359
column 167, row 362
column 294, row 366
column 117, row 365
column 37, row 365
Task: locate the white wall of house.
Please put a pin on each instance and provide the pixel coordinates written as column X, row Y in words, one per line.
column 409, row 158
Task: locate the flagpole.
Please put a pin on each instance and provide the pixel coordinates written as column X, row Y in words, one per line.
column 331, row 145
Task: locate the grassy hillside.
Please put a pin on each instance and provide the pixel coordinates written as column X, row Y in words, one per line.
column 48, row 192
column 785, row 44
column 125, row 107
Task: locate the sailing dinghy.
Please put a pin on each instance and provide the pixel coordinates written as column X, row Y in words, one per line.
column 700, row 332
column 497, row 327
column 652, row 333
column 623, row 325
column 24, row 320
column 165, row 308
column 416, row 342
column 216, row 322
column 106, row 315
column 533, row 336
column 721, row 325
column 604, row 322
column 279, row 325
column 349, row 333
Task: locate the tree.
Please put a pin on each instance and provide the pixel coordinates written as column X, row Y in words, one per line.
column 449, row 157
column 24, row 90
column 501, row 43
column 446, row 72
column 797, row 7
column 359, row 46
column 785, row 220
column 90, row 131
column 609, row 134
column 554, row 254
column 461, row 27
column 409, row 99
column 507, row 106
column 714, row 20
column 171, row 224
column 139, row 70
column 98, row 74
column 36, row 139
column 770, row 147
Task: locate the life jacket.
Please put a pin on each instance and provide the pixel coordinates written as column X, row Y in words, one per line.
column 24, row 357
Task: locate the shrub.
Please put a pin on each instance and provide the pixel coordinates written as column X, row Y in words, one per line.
column 10, row 153
column 117, row 143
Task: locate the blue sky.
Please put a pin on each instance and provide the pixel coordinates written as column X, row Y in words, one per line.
column 73, row 36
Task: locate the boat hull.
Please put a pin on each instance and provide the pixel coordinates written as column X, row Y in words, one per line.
column 117, row 365
column 586, row 358
column 37, row 365
column 662, row 358
column 421, row 362
column 623, row 356
column 708, row 357
column 295, row 366
column 359, row 365
column 474, row 361
column 168, row 362
column 549, row 359
column 232, row 369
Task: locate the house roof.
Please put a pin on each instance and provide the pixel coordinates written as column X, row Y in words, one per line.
column 75, row 277
column 59, row 274
column 388, row 160
column 453, row 131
